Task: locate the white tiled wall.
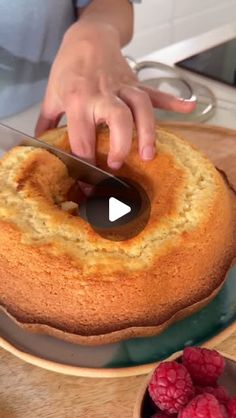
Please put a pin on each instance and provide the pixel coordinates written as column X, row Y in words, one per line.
column 161, row 22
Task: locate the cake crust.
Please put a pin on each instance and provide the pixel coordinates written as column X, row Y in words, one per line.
column 58, row 276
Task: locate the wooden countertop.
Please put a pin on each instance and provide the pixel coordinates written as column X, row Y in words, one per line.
column 30, row 392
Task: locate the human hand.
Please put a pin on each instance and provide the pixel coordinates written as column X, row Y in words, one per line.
column 91, row 82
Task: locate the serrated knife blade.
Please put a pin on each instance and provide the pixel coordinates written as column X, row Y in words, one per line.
column 77, row 167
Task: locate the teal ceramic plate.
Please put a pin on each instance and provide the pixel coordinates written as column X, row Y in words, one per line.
column 131, row 357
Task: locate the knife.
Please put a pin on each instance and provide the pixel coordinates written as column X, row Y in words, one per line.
column 77, row 167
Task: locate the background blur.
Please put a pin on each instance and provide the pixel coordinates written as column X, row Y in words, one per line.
column 159, row 23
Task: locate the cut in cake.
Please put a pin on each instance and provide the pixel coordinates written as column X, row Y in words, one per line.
column 59, row 277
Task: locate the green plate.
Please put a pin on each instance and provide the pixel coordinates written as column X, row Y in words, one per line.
column 194, row 330
column 128, row 357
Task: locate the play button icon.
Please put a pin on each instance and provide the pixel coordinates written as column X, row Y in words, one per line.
column 117, row 209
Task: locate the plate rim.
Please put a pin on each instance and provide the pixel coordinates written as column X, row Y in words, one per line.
column 80, row 371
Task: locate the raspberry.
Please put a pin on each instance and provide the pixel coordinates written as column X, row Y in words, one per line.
column 171, row 387
column 203, row 406
column 205, row 366
column 219, row 392
column 224, row 411
column 231, row 407
column 163, row 415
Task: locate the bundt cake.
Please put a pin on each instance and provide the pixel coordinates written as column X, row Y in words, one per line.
column 58, row 276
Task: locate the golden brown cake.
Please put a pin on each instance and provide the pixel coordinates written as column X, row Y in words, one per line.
column 58, row 276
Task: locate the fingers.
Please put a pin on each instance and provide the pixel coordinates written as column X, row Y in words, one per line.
column 119, row 118
column 83, row 113
column 81, row 129
column 168, row 101
column 141, row 106
column 49, row 117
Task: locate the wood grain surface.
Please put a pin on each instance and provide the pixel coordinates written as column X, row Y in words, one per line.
column 27, row 391
column 30, row 392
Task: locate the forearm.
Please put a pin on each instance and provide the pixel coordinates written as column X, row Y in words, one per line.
column 118, row 14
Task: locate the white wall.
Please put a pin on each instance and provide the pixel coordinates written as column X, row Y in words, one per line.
column 161, row 22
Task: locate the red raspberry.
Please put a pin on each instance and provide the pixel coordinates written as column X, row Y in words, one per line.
column 205, row 366
column 163, row 415
column 231, row 407
column 224, row 411
column 203, row 406
column 171, row 387
column 220, row 392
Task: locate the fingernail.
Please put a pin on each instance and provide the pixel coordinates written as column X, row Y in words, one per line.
column 186, row 101
column 148, row 152
column 115, row 165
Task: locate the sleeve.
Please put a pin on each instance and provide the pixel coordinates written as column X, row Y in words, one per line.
column 84, row 3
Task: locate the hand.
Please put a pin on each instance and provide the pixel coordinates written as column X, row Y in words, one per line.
column 91, row 83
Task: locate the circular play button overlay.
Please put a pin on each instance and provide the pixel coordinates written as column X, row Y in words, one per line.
column 117, row 210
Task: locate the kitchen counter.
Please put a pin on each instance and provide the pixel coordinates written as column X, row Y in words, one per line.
column 30, row 392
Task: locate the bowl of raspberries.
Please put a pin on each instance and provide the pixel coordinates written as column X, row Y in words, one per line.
column 196, row 383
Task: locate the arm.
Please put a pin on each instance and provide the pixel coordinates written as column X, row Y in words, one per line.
column 116, row 13
column 91, row 82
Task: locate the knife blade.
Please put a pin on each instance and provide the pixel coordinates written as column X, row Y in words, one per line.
column 77, row 167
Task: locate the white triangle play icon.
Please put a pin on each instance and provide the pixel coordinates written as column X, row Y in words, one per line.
column 117, row 209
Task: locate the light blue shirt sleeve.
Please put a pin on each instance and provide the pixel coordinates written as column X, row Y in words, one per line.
column 84, row 3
